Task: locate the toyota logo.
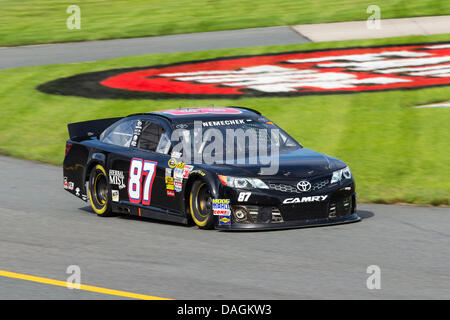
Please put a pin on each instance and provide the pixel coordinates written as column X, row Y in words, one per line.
column 304, row 186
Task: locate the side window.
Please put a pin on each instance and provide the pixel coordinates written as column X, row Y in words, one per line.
column 121, row 134
column 154, row 138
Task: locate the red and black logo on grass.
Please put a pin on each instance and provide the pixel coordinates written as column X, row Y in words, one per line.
column 331, row 71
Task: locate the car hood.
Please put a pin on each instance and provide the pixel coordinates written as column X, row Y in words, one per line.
column 300, row 163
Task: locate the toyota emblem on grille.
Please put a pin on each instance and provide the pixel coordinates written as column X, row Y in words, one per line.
column 304, row 186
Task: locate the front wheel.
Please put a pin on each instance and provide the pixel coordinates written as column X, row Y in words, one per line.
column 200, row 203
column 99, row 191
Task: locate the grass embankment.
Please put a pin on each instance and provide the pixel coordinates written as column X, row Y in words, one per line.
column 44, row 21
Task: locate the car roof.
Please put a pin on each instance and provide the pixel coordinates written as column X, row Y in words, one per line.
column 203, row 113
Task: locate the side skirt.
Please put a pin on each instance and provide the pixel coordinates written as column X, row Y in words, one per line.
column 126, row 207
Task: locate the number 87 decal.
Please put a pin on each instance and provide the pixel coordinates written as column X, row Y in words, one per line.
column 138, row 169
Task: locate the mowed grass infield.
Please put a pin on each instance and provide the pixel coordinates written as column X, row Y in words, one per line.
column 44, row 21
column 397, row 154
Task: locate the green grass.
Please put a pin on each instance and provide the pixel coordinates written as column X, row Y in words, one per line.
column 397, row 153
column 44, row 21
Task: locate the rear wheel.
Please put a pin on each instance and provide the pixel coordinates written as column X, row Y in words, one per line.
column 99, row 191
column 200, row 203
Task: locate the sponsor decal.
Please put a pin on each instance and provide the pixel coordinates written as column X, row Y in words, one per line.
column 178, row 184
column 172, row 162
column 136, row 133
column 74, row 167
column 180, row 165
column 178, row 173
column 221, row 207
column 115, row 195
column 169, row 183
column 187, row 170
column 328, row 71
column 176, row 154
column 117, row 177
column 223, row 123
column 134, row 141
column 305, row 199
column 224, row 220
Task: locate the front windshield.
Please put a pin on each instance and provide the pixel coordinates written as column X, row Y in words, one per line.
column 238, row 137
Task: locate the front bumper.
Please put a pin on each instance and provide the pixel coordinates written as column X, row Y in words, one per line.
column 329, row 205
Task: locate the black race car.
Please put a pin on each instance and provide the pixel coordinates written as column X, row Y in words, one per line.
column 180, row 165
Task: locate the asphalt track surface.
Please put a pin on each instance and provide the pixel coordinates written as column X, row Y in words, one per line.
column 44, row 229
column 11, row 57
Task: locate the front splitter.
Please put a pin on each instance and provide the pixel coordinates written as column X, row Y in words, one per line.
column 289, row 224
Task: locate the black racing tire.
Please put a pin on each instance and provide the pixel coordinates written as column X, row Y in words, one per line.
column 99, row 191
column 200, row 205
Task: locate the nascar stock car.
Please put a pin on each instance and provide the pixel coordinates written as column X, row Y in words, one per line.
column 131, row 165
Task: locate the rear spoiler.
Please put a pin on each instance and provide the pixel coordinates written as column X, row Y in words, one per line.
column 79, row 130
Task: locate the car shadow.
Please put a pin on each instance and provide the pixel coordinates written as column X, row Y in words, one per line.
column 136, row 218
column 364, row 214
column 88, row 209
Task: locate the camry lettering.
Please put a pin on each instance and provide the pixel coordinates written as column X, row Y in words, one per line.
column 305, row 199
